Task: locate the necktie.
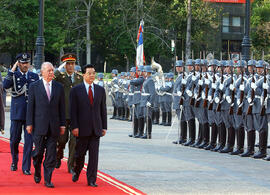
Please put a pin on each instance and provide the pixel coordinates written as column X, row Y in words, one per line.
column 70, row 78
column 48, row 91
column 90, row 95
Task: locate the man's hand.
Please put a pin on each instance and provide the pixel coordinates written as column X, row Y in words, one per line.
column 29, row 129
column 13, row 69
column 75, row 132
column 104, row 132
column 62, row 130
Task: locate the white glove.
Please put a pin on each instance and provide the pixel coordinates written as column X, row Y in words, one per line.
column 195, row 96
column 238, row 102
column 217, row 100
column 61, row 66
column 116, row 86
column 110, row 93
column 229, row 99
column 249, row 100
column 242, row 87
column 200, row 82
column 231, row 87
column 207, row 81
column 221, row 86
column 203, row 96
column 179, row 93
column 214, row 86
column 133, row 105
column 189, row 93
column 209, row 98
column 265, row 86
column 253, row 86
column 184, row 81
column 193, row 78
column 148, row 104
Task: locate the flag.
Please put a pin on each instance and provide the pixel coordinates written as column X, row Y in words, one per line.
column 140, row 59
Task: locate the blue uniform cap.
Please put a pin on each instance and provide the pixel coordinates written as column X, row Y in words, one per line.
column 115, row 71
column 100, row 75
column 260, row 64
column 122, row 73
column 229, row 63
column 189, row 62
column 198, row 62
column 179, row 63
column 148, row 68
column 222, row 63
column 140, row 68
column 77, row 68
column 241, row 63
column 252, row 63
column 204, row 62
column 127, row 74
column 133, row 69
column 213, row 62
column 23, row 57
column 170, row 75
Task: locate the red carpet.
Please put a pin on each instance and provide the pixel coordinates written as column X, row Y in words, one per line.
column 17, row 183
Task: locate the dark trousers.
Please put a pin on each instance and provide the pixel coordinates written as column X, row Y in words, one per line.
column 90, row 144
column 16, row 128
column 41, row 143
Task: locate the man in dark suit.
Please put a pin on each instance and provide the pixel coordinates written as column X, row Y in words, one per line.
column 46, row 120
column 88, row 122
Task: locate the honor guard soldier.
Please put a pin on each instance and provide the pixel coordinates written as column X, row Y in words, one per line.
column 18, row 80
column 177, row 93
column 69, row 78
column 113, row 91
column 125, row 96
column 131, row 93
column 147, row 100
column 138, row 118
column 100, row 82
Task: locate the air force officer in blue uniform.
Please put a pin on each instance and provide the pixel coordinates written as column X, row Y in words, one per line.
column 18, row 80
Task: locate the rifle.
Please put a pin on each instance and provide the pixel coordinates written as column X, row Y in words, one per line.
column 264, row 90
column 233, row 94
column 183, row 88
column 221, row 92
column 200, row 90
column 213, row 91
column 192, row 100
column 250, row 107
column 240, row 108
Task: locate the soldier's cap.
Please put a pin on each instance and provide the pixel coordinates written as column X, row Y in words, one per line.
column 179, row 63
column 229, row 63
column 260, row 64
column 189, row 62
column 148, row 68
column 123, row 74
column 115, row 71
column 127, row 74
column 204, row 62
column 140, row 68
column 133, row 69
column 241, row 63
column 69, row 57
column 198, row 61
column 252, row 63
column 23, row 57
column 170, row 75
column 100, row 75
column 78, row 68
column 165, row 75
column 222, row 63
column 213, row 62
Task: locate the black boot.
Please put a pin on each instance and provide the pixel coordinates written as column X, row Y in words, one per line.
column 148, row 130
column 169, row 123
column 114, row 113
column 220, row 145
column 141, row 128
column 262, row 144
column 135, row 127
column 183, row 134
column 191, row 130
column 153, row 117
column 205, row 136
column 213, row 142
column 200, row 136
column 157, row 117
column 240, row 141
column 127, row 114
column 251, row 142
column 119, row 113
column 230, row 142
column 163, row 118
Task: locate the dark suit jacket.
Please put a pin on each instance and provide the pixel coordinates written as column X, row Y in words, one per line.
column 44, row 114
column 89, row 119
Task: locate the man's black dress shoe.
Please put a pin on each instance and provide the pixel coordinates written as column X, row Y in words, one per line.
column 58, row 163
column 37, row 179
column 13, row 167
column 75, row 177
column 26, row 172
column 49, row 184
column 92, row 184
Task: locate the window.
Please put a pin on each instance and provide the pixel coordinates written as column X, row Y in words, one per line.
column 236, row 21
column 225, row 24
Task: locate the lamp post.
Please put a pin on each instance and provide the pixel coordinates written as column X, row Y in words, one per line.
column 246, row 44
column 40, row 42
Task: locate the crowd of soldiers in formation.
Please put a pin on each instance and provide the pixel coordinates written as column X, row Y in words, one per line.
column 229, row 99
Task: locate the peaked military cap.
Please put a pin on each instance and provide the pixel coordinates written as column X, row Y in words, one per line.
column 189, row 62
column 198, row 62
column 179, row 63
column 260, row 64
column 213, row 62
column 23, row 57
column 252, row 63
column 133, row 69
column 222, row 63
column 140, row 68
column 148, row 68
column 114, row 71
column 69, row 57
column 100, row 75
column 229, row 63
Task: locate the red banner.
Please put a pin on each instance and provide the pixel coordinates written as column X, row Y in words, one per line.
column 227, row 1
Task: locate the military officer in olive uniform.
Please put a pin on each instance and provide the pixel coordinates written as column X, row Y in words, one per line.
column 69, row 78
column 18, row 80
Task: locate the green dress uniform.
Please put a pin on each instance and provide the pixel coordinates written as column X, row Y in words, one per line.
column 68, row 82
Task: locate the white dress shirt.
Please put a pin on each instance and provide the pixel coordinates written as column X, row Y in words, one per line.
column 87, row 87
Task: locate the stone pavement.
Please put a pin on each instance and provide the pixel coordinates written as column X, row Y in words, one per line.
column 158, row 167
